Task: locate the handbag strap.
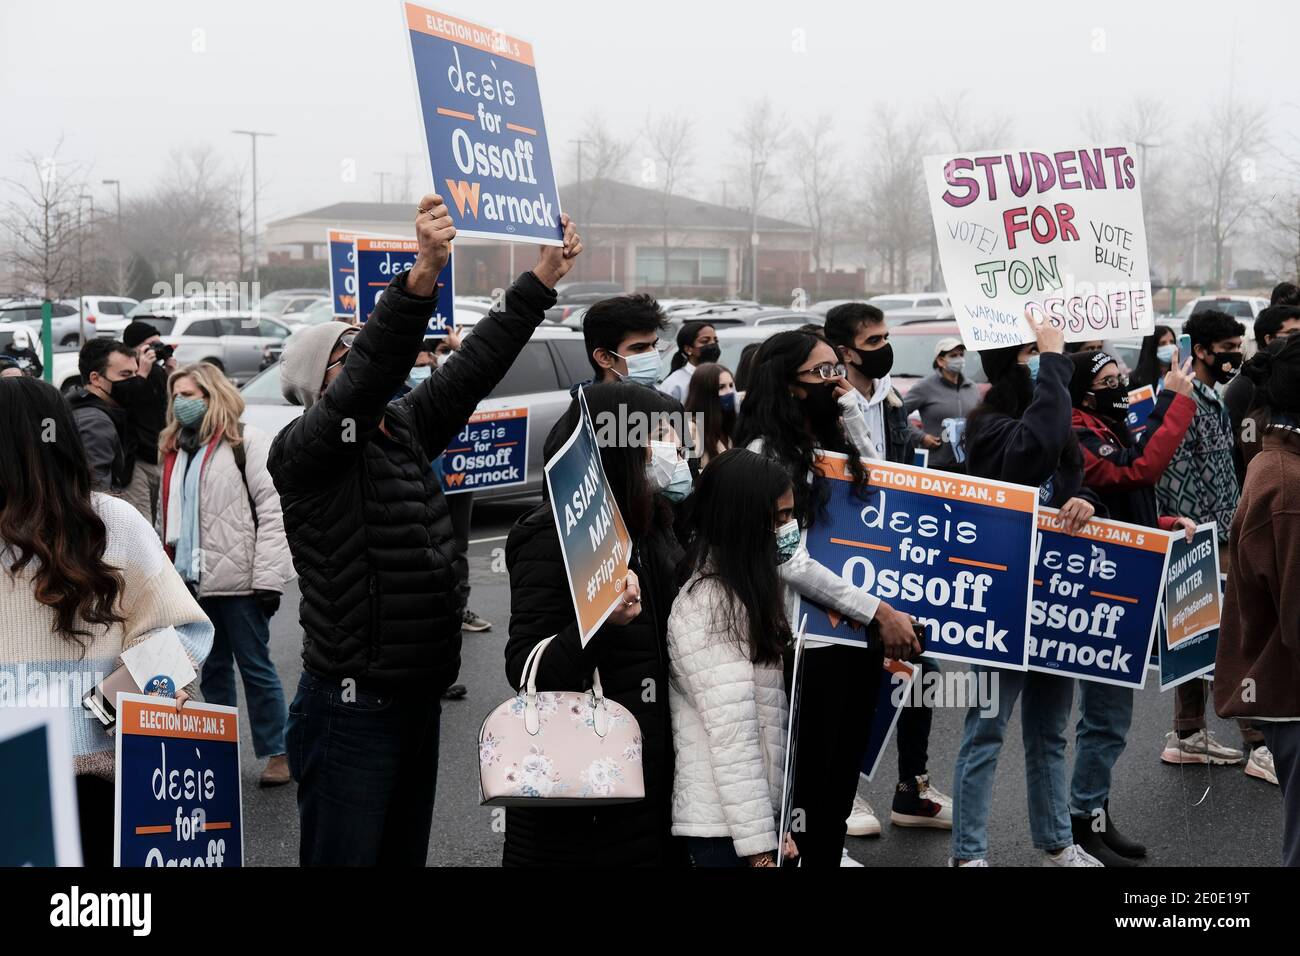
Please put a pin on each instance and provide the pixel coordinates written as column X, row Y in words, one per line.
column 529, row 689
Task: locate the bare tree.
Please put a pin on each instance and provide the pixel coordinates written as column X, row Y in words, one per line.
column 1221, row 151
column 815, row 161
column 41, row 219
column 670, row 139
column 760, row 140
column 601, row 158
column 898, row 212
column 187, row 219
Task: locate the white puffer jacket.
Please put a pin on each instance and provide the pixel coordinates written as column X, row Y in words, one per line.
column 238, row 558
column 729, row 718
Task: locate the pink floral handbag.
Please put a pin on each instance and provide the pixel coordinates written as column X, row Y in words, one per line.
column 559, row 748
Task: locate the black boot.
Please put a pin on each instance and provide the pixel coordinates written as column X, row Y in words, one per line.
column 1117, row 842
column 1089, row 840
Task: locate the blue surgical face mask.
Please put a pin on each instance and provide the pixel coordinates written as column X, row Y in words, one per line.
column 680, row 485
column 419, row 374
column 728, row 402
column 189, row 411
column 667, row 473
column 1032, row 365
column 956, row 363
column 787, row 541
column 1165, row 354
column 642, row 369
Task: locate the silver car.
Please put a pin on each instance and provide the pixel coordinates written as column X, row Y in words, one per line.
column 540, row 378
column 65, row 321
column 235, row 342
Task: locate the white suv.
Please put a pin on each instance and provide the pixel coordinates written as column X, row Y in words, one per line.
column 235, row 342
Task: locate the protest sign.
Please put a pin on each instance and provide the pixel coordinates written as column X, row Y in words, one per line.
column 490, row 452
column 921, row 457
column 1191, row 657
column 952, row 550
column 786, row 824
column 1141, row 403
column 177, row 786
column 1097, row 597
column 379, row 259
column 38, row 789
column 891, row 697
column 484, row 133
column 593, row 536
column 343, row 273
column 1054, row 234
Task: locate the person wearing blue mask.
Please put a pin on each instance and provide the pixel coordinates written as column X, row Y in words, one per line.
column 712, row 400
column 621, row 335
column 646, row 471
column 1159, row 351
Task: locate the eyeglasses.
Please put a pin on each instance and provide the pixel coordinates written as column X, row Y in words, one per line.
column 346, row 341
column 1111, row 381
column 825, row 370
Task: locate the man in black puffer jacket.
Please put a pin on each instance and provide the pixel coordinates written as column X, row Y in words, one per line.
column 372, row 543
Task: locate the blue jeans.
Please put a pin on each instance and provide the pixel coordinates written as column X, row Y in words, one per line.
column 1105, row 715
column 1043, row 720
column 713, row 851
column 366, row 762
column 242, row 635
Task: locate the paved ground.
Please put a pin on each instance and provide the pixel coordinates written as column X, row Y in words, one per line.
column 1237, row 822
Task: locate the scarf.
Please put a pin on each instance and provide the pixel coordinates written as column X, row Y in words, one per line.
column 181, row 523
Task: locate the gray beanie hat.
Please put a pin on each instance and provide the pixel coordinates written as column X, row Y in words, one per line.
column 306, row 353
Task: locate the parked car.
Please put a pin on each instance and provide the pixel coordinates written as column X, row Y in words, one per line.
column 106, row 315
column 65, row 320
column 898, row 309
column 295, row 309
column 235, row 342
column 550, row 364
column 181, row 304
column 1237, row 306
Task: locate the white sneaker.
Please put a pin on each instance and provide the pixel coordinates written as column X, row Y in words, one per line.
column 930, row 792
column 863, row 821
column 968, row 862
column 1260, row 765
column 1072, row 855
column 1200, row 747
column 846, row 860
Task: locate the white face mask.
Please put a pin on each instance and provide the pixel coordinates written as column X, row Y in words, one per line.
column 642, row 369
column 443, row 358
column 662, row 465
column 956, row 363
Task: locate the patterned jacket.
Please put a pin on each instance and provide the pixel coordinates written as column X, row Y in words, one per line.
column 1201, row 481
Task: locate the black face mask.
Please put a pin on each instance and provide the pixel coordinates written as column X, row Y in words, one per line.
column 1226, row 366
column 821, row 405
column 1112, row 403
column 709, row 353
column 876, row 363
column 128, row 391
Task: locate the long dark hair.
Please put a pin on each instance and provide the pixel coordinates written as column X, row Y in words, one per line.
column 772, row 414
column 46, row 517
column 1275, row 373
column 702, row 399
column 745, row 365
column 732, row 543
column 624, row 457
column 686, row 337
column 1148, row 364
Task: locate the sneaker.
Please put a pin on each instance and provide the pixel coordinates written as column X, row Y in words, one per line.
column 1072, row 855
column 863, row 821
column 472, row 622
column 1260, row 765
column 931, row 792
column 951, row 862
column 912, row 809
column 846, row 860
column 1200, row 747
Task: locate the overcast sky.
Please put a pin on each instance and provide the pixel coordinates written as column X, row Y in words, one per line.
column 125, row 82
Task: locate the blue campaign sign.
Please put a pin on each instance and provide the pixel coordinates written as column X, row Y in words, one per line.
column 954, row 551
column 178, row 799
column 1190, row 657
column 891, row 697
column 38, row 790
column 343, row 273
column 484, row 132
column 1097, row 599
column 1141, row 403
column 921, row 457
column 379, row 260
column 491, row 452
column 594, row 539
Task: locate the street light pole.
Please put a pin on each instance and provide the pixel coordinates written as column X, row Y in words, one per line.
column 252, row 136
column 381, row 185
column 756, row 183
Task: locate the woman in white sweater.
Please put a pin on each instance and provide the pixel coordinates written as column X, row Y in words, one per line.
column 726, row 635
column 82, row 578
